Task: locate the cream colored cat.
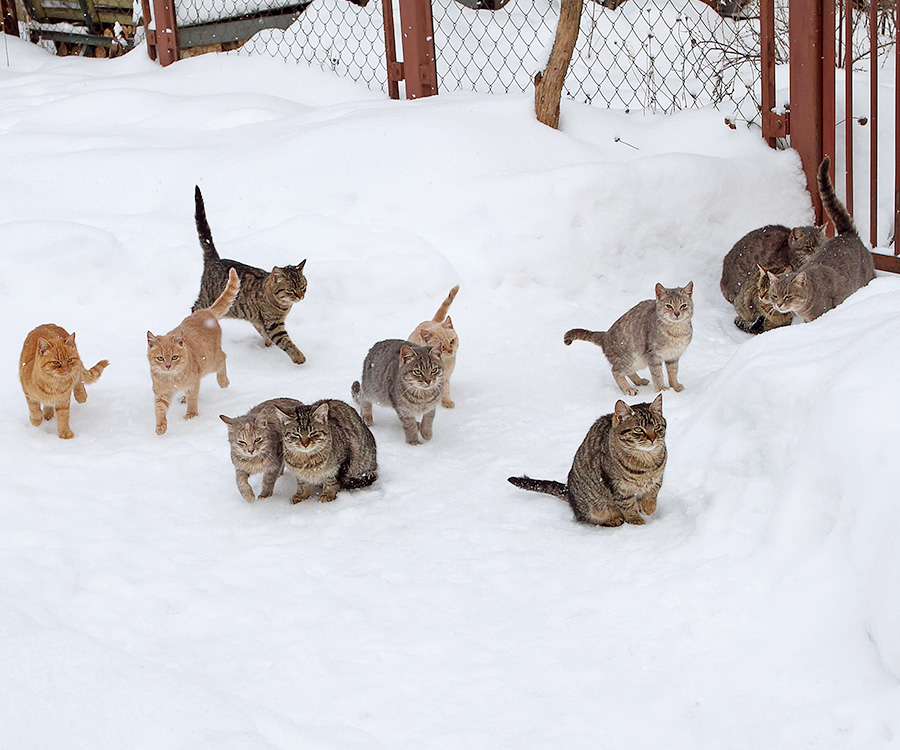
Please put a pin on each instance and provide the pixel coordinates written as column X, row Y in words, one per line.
column 436, row 332
column 180, row 358
column 51, row 372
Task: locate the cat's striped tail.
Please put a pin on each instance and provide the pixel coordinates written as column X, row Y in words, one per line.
column 836, row 210
column 203, row 230
column 582, row 334
column 223, row 302
column 547, row 486
column 442, row 310
column 91, row 376
column 358, row 482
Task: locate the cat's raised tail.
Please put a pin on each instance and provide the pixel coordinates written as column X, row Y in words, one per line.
column 843, row 222
column 547, row 486
column 445, row 305
column 224, row 300
column 582, row 334
column 203, row 230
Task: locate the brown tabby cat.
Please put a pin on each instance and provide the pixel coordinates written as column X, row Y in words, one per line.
column 326, row 443
column 650, row 334
column 770, row 246
column 51, row 372
column 265, row 298
column 618, row 469
column 755, row 313
column 180, row 358
column 840, row 267
column 406, row 377
column 439, row 332
column 256, row 445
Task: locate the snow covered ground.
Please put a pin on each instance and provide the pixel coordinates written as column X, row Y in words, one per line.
column 144, row 604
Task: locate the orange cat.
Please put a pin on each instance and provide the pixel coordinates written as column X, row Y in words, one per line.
column 180, row 358
column 440, row 332
column 51, row 372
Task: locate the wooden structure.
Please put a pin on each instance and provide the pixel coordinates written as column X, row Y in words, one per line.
column 812, row 119
column 106, row 24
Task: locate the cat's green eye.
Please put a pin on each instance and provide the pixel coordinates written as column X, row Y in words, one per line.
column 417, row 371
column 71, row 360
column 56, row 362
column 435, row 370
column 174, row 357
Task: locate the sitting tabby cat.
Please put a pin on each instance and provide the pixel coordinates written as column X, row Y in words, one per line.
column 755, row 313
column 51, row 372
column 406, row 377
column 771, row 246
column 256, row 445
column 618, row 469
column 650, row 334
column 327, row 443
column 265, row 298
column 180, row 358
column 840, row 267
column 439, row 332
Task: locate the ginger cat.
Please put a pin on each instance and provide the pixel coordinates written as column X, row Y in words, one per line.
column 180, row 358
column 439, row 332
column 51, row 372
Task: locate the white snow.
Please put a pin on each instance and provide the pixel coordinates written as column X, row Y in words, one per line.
column 144, row 604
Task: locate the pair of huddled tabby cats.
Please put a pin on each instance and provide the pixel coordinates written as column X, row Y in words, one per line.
column 775, row 274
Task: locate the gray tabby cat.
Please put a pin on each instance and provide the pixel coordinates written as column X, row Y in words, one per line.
column 326, row 443
column 406, row 377
column 840, row 267
column 771, row 246
column 650, row 334
column 265, row 298
column 618, row 469
column 256, row 447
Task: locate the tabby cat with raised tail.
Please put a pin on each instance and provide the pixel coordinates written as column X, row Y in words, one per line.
column 265, row 298
column 256, row 445
column 618, row 469
column 51, row 372
column 840, row 267
column 406, row 377
column 771, row 246
column 181, row 357
column 327, row 444
column 439, row 332
column 651, row 334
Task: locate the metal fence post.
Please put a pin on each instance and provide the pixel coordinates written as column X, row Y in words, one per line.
column 166, row 31
column 417, row 36
column 10, row 17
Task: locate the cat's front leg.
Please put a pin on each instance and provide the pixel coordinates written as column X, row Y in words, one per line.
column 629, row 508
column 268, row 484
column 62, row 422
column 161, row 406
column 329, row 490
column 192, row 395
column 427, row 422
column 222, row 375
column 637, row 379
column 243, row 485
column 79, row 392
column 672, row 370
column 647, row 501
column 365, row 412
column 656, row 374
column 49, row 411
column 35, row 415
column 446, row 401
column 280, row 338
column 410, row 429
column 302, row 492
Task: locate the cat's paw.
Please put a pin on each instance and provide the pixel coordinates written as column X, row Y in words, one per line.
column 641, row 381
column 161, row 428
column 327, row 497
column 48, row 413
column 66, row 433
column 80, row 395
column 677, row 387
column 636, row 520
column 413, row 441
column 297, row 357
column 630, row 391
column 263, row 493
column 447, row 403
column 191, row 414
column 301, row 494
column 249, row 497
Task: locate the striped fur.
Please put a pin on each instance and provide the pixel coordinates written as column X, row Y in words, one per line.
column 618, row 469
column 265, row 298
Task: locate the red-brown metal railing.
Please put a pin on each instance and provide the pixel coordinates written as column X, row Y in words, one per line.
column 10, row 17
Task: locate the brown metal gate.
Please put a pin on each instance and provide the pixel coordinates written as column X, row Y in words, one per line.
column 821, row 40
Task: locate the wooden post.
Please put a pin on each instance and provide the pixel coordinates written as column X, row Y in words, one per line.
column 417, row 35
column 548, row 85
column 166, row 31
column 10, row 17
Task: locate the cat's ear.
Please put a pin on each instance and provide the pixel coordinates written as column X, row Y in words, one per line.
column 660, row 291
column 227, row 420
column 407, row 353
column 772, row 277
column 656, row 405
column 622, row 411
column 801, row 279
column 447, row 322
column 179, row 337
column 151, row 339
column 71, row 340
column 822, row 228
column 278, row 273
column 43, row 345
column 426, row 335
column 689, row 289
column 284, row 414
column 321, row 413
column 301, row 265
